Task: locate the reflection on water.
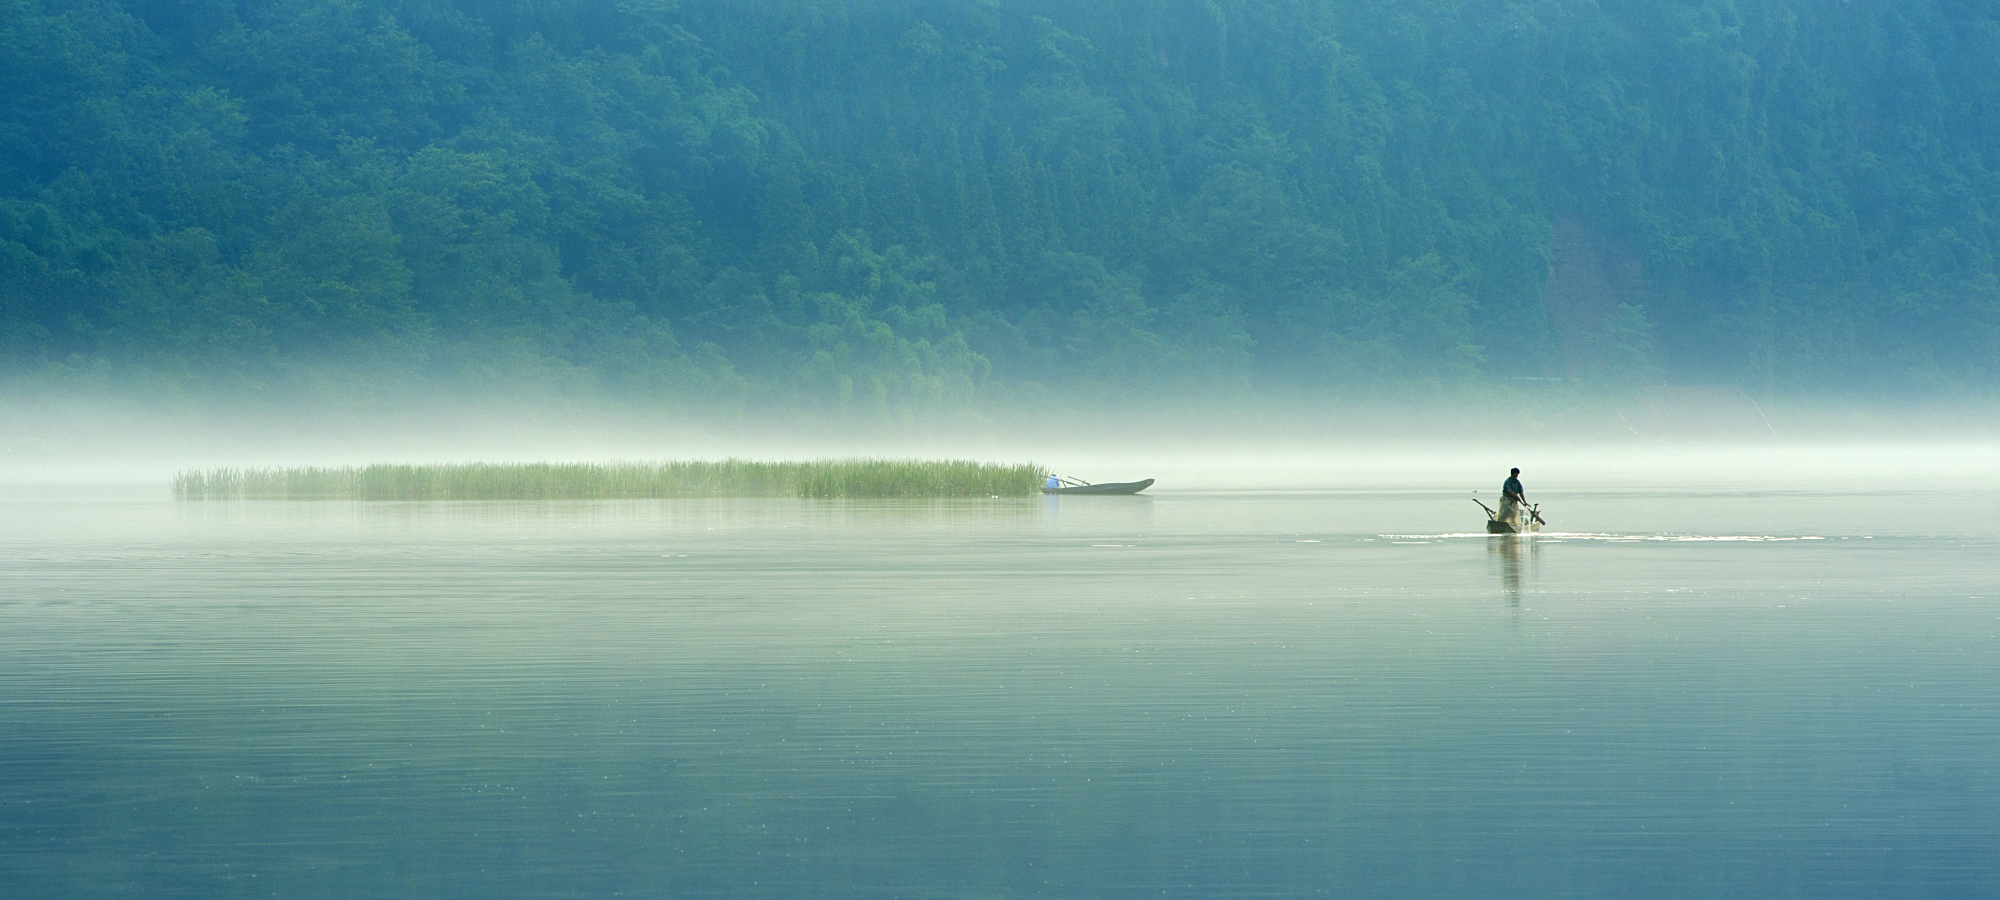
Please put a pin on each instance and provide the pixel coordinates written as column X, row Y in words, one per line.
column 1512, row 550
column 1199, row 695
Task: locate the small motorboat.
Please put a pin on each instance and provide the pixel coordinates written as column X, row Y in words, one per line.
column 1496, row 525
column 1123, row 487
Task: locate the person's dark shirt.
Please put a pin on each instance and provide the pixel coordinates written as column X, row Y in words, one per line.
column 1513, row 486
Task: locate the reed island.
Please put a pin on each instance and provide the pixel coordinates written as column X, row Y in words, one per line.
column 821, row 479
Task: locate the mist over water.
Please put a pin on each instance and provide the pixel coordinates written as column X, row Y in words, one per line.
column 1187, row 445
column 1736, row 671
column 1323, row 271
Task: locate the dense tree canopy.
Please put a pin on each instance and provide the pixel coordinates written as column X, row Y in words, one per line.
column 895, row 206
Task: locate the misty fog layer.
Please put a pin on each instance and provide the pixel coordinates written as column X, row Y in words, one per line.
column 490, row 448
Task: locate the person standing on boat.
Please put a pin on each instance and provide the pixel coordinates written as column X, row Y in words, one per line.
column 1512, row 499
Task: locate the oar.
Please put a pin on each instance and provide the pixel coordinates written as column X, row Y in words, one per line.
column 1536, row 512
column 1073, row 482
column 1489, row 510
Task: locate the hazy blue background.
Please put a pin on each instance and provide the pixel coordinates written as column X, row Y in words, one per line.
column 1321, row 268
column 892, row 212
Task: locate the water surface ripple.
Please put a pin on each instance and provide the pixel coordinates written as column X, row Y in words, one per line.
column 1184, row 695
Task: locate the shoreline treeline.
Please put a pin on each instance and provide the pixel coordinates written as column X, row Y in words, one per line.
column 893, row 208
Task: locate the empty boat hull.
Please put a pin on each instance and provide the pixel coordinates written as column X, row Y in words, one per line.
column 1126, row 487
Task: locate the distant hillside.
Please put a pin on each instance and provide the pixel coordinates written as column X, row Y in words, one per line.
column 901, row 206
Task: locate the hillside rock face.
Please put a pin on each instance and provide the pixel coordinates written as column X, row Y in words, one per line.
column 1591, row 276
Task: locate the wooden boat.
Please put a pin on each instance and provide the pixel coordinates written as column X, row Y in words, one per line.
column 1124, row 487
column 1497, row 525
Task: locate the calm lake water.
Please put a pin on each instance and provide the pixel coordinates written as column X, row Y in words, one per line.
column 1681, row 693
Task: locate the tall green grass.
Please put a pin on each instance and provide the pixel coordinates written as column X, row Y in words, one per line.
column 602, row 481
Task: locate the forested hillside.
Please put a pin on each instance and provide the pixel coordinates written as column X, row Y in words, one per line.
column 896, row 206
